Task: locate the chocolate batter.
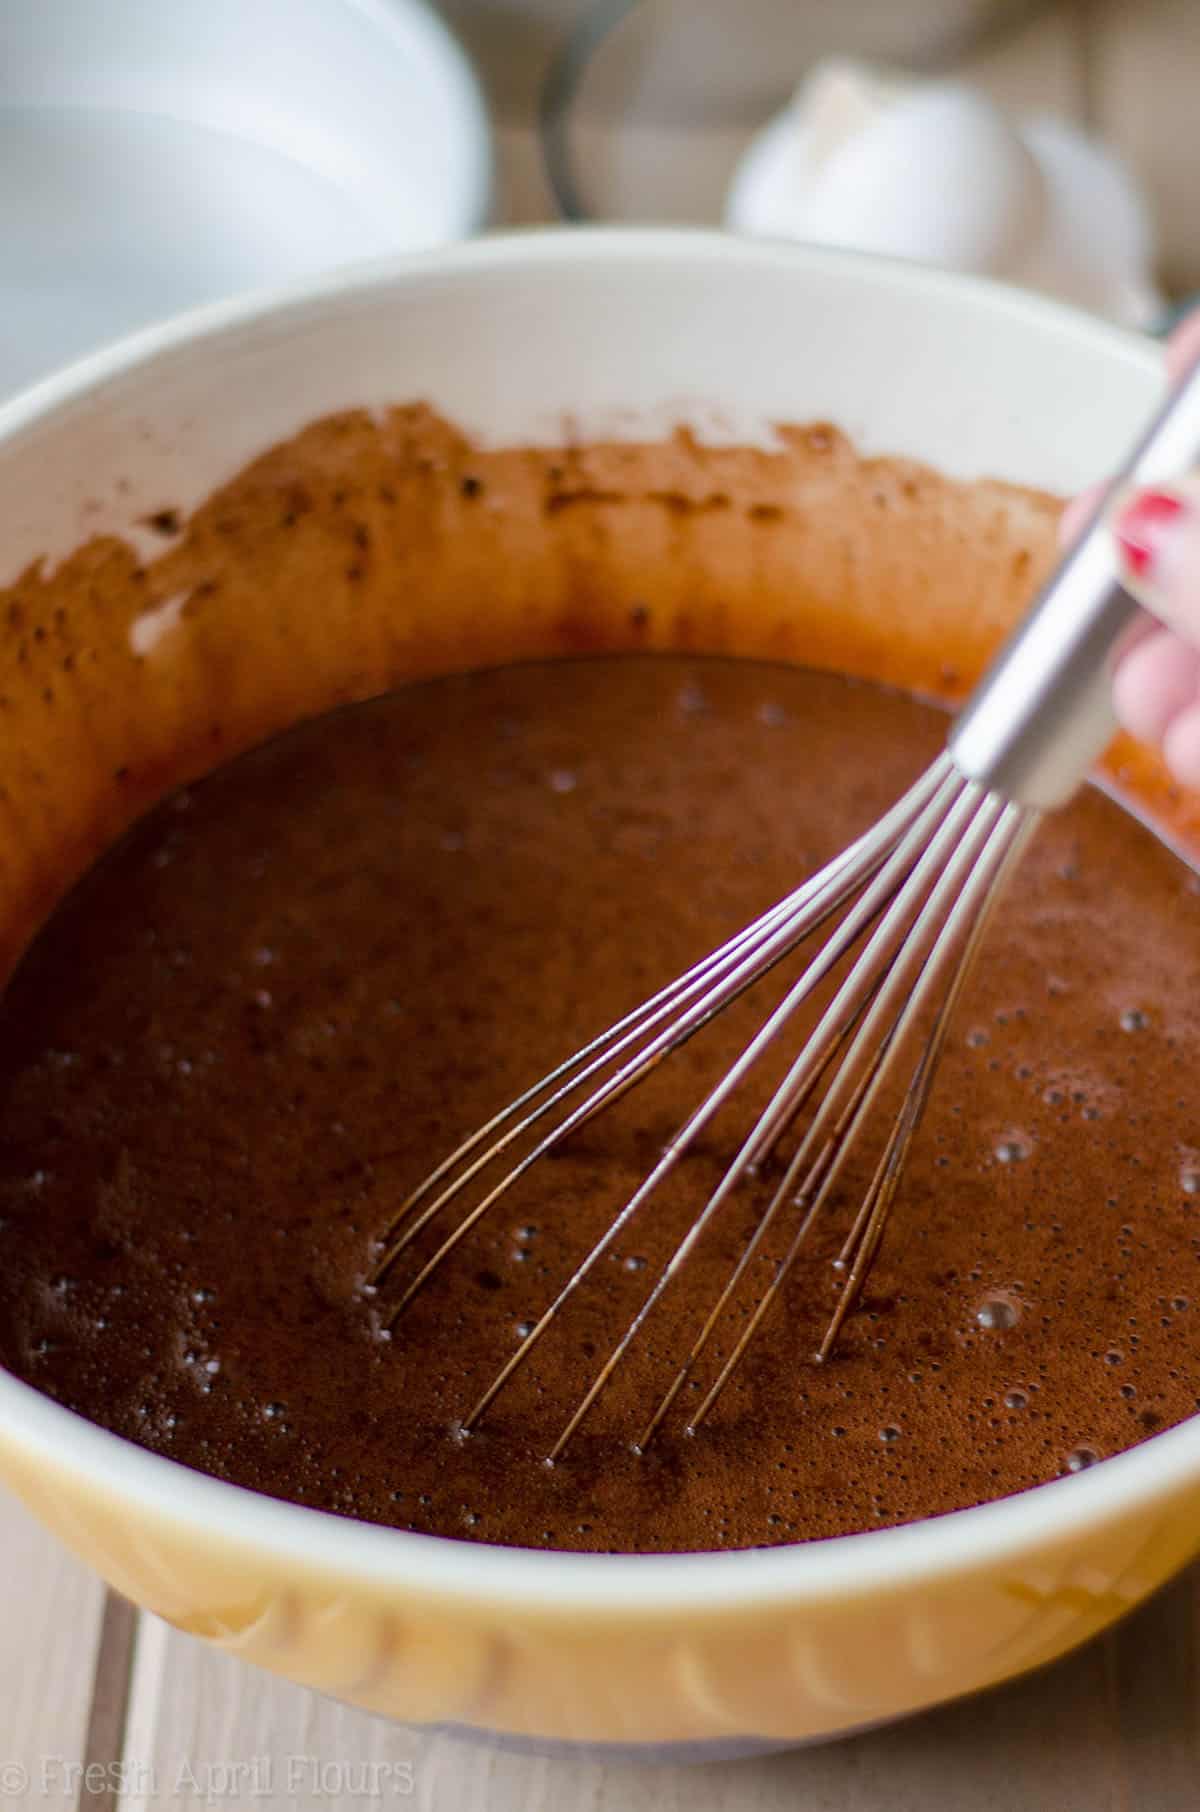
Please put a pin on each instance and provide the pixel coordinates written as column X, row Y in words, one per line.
column 289, row 990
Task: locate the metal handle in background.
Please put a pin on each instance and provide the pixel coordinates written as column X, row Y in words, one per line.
column 1042, row 715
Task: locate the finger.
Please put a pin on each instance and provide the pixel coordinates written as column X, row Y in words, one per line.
column 1157, row 537
column 1181, row 746
column 1155, row 682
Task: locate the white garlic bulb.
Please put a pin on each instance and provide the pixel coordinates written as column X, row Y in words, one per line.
column 939, row 174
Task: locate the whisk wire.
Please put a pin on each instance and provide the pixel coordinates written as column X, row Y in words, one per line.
column 888, row 868
column 1002, row 828
column 954, row 794
column 913, row 895
column 718, row 995
column 717, row 980
column 856, row 1017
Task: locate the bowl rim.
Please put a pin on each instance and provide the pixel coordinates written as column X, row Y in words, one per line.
column 551, row 248
column 622, row 1585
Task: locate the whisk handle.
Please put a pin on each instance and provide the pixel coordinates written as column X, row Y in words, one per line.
column 1042, row 715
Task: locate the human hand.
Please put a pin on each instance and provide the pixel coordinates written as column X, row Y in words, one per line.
column 1156, row 682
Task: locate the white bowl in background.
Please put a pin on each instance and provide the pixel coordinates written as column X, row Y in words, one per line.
column 156, row 154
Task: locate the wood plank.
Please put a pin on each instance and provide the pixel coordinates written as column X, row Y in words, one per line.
column 1154, row 1660
column 206, row 1727
column 52, row 1612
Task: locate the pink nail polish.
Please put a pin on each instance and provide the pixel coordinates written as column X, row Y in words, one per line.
column 1142, row 526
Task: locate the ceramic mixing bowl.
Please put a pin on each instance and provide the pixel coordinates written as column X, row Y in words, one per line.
column 190, row 566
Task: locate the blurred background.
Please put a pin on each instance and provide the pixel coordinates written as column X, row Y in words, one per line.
column 156, row 154
column 670, row 99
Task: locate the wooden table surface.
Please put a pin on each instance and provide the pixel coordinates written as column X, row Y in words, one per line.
column 1114, row 1728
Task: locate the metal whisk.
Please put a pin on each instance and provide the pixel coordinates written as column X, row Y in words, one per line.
column 910, row 901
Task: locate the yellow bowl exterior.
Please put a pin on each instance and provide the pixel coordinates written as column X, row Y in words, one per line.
column 790, row 1672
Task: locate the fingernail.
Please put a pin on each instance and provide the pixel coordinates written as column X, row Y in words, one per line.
column 1146, row 527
